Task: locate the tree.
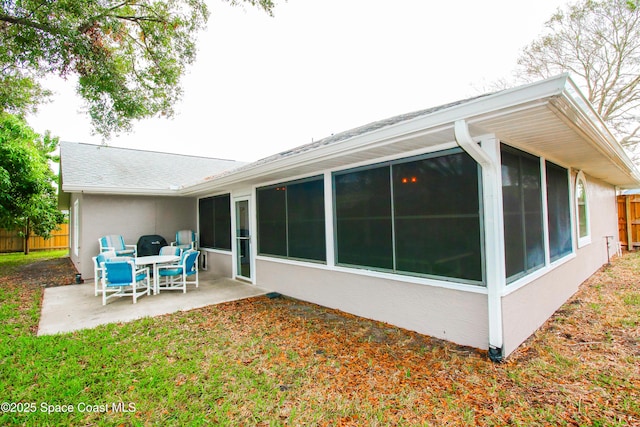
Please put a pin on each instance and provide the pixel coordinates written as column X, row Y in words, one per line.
column 598, row 42
column 28, row 198
column 128, row 55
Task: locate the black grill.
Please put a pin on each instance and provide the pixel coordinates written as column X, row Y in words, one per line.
column 150, row 244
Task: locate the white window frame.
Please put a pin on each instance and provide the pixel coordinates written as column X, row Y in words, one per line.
column 586, row 239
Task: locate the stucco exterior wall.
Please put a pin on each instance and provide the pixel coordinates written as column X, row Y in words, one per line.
column 526, row 309
column 131, row 217
column 453, row 315
column 218, row 262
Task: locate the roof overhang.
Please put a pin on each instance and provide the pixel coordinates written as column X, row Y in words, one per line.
column 550, row 118
column 131, row 191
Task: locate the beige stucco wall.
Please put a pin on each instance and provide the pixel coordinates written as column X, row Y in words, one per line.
column 454, row 315
column 218, row 262
column 131, row 217
column 526, row 309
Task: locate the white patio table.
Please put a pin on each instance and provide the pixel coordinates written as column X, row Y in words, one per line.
column 155, row 260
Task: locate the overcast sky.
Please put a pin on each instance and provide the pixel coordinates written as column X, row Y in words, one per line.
column 264, row 84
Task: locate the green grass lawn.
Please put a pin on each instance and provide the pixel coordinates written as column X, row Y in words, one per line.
column 283, row 362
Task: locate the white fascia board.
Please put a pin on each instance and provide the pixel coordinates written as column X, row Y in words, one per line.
column 587, row 121
column 119, row 191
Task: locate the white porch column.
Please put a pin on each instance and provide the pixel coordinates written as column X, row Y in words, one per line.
column 494, row 244
column 487, row 154
column 328, row 219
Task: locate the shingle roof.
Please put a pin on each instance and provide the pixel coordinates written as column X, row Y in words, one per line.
column 360, row 130
column 87, row 166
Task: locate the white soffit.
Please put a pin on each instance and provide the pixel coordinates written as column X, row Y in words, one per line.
column 545, row 131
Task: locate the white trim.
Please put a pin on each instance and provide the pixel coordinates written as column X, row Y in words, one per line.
column 545, row 211
column 586, row 240
column 216, row 251
column 355, row 165
column 488, row 158
column 287, row 181
column 215, row 194
column 76, row 227
column 127, row 191
column 234, row 236
column 330, row 253
column 574, row 212
column 494, row 240
column 471, row 147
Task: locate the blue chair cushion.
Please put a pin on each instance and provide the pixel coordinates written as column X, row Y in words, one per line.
column 170, row 271
column 120, row 272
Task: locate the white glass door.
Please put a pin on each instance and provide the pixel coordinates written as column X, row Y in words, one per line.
column 243, row 240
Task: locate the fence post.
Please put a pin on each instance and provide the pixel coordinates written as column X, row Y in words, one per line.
column 627, row 201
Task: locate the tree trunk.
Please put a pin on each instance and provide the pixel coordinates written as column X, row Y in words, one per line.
column 27, row 233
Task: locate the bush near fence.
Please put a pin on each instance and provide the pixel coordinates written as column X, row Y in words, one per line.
column 11, row 241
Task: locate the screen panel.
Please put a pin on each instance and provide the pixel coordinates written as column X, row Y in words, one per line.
column 363, row 218
column 437, row 217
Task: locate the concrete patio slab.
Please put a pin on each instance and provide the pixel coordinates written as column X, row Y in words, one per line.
column 75, row 307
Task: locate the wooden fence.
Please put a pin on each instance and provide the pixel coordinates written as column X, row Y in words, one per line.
column 629, row 221
column 10, row 241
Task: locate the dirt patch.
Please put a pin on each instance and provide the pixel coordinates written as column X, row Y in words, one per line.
column 47, row 273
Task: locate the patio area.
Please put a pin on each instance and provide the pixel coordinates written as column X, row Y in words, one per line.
column 74, row 307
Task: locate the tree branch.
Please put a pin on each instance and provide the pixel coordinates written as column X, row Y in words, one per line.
column 28, row 23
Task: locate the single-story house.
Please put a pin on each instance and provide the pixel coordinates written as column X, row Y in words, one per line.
column 470, row 222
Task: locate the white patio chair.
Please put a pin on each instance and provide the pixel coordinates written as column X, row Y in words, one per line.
column 176, row 275
column 170, row 250
column 98, row 270
column 121, row 279
column 115, row 242
column 185, row 240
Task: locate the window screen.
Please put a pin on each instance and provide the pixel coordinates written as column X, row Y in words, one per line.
column 291, row 221
column 206, row 215
column 363, row 218
column 215, row 222
column 522, row 204
column 306, row 228
column 222, row 222
column 272, row 220
column 415, row 216
column 436, row 217
column 559, row 222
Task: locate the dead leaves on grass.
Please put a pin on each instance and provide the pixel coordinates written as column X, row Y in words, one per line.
column 579, row 369
column 332, row 368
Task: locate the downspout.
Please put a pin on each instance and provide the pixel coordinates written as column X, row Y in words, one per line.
column 494, row 253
